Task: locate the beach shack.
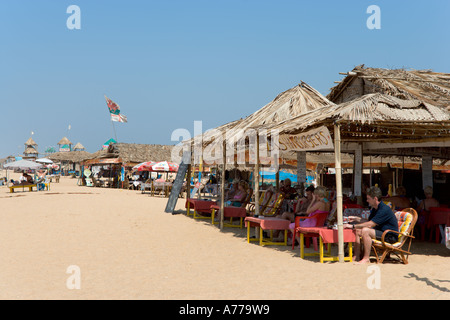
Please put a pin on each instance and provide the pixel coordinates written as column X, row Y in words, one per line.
column 30, row 151
column 374, row 123
column 64, row 145
column 112, row 166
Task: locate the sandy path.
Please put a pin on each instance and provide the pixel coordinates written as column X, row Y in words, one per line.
column 127, row 248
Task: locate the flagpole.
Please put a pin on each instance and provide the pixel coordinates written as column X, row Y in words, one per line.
column 112, row 122
column 114, row 130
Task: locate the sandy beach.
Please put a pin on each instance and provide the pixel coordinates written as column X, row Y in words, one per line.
column 126, row 247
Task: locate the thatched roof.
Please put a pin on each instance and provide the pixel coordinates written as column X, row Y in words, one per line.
column 296, row 101
column 135, row 153
column 79, row 147
column 30, row 142
column 64, row 141
column 72, row 156
column 425, row 85
column 30, row 150
column 376, row 117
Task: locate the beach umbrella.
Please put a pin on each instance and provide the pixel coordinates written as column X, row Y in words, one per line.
column 165, row 166
column 23, row 165
column 52, row 166
column 44, row 161
column 144, row 166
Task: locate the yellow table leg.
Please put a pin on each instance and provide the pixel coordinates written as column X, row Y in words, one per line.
column 189, row 209
column 350, row 251
column 302, row 246
column 260, row 236
column 321, row 249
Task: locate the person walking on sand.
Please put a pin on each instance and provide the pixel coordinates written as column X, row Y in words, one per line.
column 381, row 218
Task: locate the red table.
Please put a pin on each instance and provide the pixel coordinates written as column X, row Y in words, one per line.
column 199, row 206
column 230, row 212
column 267, row 223
column 326, row 236
column 437, row 216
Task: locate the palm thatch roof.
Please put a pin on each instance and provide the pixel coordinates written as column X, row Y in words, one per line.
column 296, row 101
column 78, row 147
column 72, row 156
column 30, row 142
column 133, row 153
column 64, row 141
column 30, row 150
column 425, row 85
column 376, row 117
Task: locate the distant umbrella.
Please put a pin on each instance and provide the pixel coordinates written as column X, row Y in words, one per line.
column 165, row 166
column 23, row 165
column 44, row 161
column 144, row 166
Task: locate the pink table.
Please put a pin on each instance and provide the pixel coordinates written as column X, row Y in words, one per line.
column 326, row 236
column 230, row 212
column 267, row 223
column 199, row 206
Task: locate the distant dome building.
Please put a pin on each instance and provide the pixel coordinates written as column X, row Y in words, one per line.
column 79, row 147
column 65, row 145
column 31, row 149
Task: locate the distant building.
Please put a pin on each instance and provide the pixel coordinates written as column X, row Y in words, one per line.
column 31, row 149
column 79, row 147
column 65, row 145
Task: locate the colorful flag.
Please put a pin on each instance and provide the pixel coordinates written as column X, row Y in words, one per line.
column 114, row 110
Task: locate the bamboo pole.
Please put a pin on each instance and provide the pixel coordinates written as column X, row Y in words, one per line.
column 337, row 154
column 222, row 186
column 257, row 177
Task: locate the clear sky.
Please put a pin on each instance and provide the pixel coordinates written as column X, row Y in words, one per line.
column 168, row 63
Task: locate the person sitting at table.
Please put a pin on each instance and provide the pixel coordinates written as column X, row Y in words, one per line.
column 429, row 201
column 233, row 190
column 302, row 206
column 288, row 191
column 424, row 206
column 300, row 210
column 381, row 218
column 319, row 203
column 399, row 201
column 240, row 196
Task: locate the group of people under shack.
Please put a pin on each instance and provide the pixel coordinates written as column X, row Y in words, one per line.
column 319, row 199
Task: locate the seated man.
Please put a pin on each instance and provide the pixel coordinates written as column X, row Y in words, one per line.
column 288, row 191
column 301, row 207
column 381, row 218
column 25, row 179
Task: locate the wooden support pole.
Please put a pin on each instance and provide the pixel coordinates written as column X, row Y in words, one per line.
column 222, row 186
column 337, row 155
column 257, row 177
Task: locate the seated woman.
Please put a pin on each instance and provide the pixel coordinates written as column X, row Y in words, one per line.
column 423, row 208
column 429, row 201
column 319, row 203
column 239, row 197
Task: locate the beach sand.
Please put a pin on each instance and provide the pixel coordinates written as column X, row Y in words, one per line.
column 126, row 247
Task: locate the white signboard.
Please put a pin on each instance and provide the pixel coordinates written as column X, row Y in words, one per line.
column 316, row 139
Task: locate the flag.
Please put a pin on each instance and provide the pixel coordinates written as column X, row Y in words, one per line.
column 114, row 110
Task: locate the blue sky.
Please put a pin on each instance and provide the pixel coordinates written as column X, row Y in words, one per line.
column 169, row 63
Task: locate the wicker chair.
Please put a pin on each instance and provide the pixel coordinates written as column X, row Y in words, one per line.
column 407, row 219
